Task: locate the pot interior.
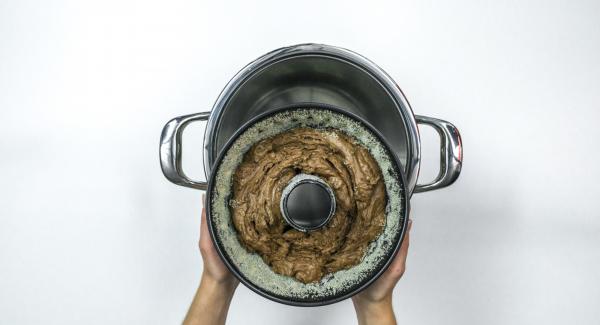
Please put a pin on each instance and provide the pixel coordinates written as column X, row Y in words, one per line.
column 319, row 79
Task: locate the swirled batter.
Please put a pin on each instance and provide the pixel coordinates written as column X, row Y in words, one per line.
column 352, row 174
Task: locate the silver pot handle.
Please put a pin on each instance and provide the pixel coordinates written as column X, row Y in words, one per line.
column 170, row 150
column 450, row 153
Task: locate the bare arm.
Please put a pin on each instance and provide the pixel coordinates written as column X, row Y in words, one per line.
column 217, row 286
column 374, row 304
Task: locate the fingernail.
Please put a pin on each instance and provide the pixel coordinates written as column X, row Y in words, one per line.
column 203, row 199
column 409, row 224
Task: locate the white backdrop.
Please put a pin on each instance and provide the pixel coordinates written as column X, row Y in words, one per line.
column 91, row 232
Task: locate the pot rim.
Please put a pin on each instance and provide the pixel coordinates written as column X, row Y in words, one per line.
column 412, row 132
column 405, row 210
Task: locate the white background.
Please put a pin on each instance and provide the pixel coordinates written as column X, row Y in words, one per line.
column 91, row 232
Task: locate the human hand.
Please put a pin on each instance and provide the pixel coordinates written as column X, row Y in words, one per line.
column 214, row 268
column 374, row 304
column 217, row 286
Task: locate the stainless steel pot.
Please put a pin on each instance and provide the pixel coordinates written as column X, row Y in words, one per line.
column 320, row 74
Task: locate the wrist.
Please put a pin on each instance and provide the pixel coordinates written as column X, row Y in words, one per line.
column 211, row 302
column 374, row 311
column 219, row 286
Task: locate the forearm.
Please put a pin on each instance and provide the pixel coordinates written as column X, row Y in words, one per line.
column 211, row 303
column 375, row 313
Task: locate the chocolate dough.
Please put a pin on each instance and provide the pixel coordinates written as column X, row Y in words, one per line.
column 352, row 174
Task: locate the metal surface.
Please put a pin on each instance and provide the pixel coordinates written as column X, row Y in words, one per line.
column 450, row 153
column 305, row 207
column 170, row 150
column 321, row 74
column 358, row 287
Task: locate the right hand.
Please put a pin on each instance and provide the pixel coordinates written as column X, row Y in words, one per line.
column 374, row 304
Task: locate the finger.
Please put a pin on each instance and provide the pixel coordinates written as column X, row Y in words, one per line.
column 398, row 264
column 405, row 243
column 203, row 222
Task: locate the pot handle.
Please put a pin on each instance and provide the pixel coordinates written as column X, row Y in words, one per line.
column 450, row 153
column 170, row 150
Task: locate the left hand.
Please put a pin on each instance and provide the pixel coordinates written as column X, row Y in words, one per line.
column 214, row 268
column 217, row 286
